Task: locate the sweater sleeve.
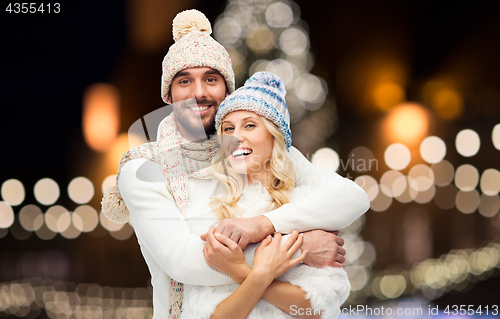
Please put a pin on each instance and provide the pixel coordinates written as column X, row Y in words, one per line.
column 160, row 228
column 334, row 202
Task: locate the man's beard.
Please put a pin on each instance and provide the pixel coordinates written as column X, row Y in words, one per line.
column 208, row 122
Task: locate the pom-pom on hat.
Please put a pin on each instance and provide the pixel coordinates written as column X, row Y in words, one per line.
column 194, row 47
column 264, row 94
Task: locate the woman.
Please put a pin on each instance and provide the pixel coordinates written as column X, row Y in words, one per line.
column 257, row 175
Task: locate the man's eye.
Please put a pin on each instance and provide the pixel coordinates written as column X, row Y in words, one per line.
column 184, row 81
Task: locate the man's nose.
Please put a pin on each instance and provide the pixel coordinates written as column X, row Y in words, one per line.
column 200, row 91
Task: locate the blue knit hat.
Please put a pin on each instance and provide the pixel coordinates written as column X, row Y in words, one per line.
column 263, row 94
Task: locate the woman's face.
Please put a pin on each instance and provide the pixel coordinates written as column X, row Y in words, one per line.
column 247, row 143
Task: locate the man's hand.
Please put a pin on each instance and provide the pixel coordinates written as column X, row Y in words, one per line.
column 325, row 249
column 244, row 231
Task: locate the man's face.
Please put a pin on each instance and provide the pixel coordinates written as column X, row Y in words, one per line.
column 208, row 87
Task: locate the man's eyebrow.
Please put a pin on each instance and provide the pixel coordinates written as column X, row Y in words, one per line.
column 212, row 71
column 181, row 73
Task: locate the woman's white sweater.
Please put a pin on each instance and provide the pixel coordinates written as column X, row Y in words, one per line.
column 172, row 250
column 326, row 288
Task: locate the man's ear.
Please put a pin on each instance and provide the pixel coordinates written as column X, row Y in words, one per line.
column 169, row 99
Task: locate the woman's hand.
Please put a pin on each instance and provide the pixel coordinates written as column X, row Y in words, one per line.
column 272, row 260
column 226, row 256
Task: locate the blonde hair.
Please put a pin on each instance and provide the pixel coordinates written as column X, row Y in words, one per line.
column 282, row 170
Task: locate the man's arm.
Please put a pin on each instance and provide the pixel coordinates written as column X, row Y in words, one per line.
column 159, row 226
column 334, row 203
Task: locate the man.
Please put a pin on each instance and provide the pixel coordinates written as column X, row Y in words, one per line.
column 198, row 68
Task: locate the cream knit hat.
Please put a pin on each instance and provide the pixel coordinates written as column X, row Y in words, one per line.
column 194, row 47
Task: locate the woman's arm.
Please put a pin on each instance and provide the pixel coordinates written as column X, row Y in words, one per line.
column 271, row 261
column 226, row 256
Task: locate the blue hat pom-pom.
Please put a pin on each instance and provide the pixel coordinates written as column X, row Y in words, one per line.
column 266, row 78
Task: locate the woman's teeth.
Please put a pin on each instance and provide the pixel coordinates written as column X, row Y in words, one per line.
column 242, row 152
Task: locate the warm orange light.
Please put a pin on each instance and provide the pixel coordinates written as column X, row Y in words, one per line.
column 444, row 98
column 101, row 116
column 387, row 95
column 407, row 123
column 122, row 144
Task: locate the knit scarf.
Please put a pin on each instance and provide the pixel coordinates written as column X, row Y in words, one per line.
column 180, row 159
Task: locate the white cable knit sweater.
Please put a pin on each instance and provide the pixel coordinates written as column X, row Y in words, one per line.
column 172, row 250
column 326, row 288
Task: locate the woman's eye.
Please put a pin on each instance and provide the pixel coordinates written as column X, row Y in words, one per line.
column 250, row 125
column 228, row 129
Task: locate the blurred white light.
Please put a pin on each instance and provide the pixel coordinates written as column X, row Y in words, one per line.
column 124, row 233
column 326, row 158
column 108, row 224
column 109, row 181
column 309, row 88
column 381, row 202
column 358, row 277
column 467, row 202
column 467, row 143
column 227, row 30
column 31, row 217
column 421, row 177
column 57, row 218
column 466, row 177
column 393, row 183
column 495, row 136
column 279, row 15
column 392, row 286
column 489, row 205
column 71, row 231
column 6, row 215
column 258, row 66
column 81, row 190
column 490, row 182
column 433, row 149
column 282, row 69
column 397, row 156
column 46, row 191
column 294, row 41
column 443, row 173
column 369, row 185
column 13, row 192
column 85, row 218
column 423, row 197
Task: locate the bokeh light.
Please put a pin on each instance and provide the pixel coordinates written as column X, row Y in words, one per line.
column 369, row 185
column 81, row 190
column 57, row 218
column 397, row 156
column 123, row 233
column 260, row 40
column 386, row 95
column 421, row 177
column 392, row 286
column 432, row 149
column 326, row 158
column 467, row 143
column 490, row 182
column 85, row 218
column 358, row 277
column 46, row 191
column 423, row 197
column 13, row 192
column 279, row 15
column 407, row 123
column 294, row 41
column 361, row 160
column 227, row 30
column 467, row 202
column 466, row 177
column 310, row 89
column 101, row 115
column 6, row 215
column 381, row 203
column 443, row 173
column 495, row 136
column 489, row 205
column 31, row 217
column 393, row 183
column 448, row 104
column 108, row 224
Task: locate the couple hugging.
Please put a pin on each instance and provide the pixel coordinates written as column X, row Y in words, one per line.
column 209, row 211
